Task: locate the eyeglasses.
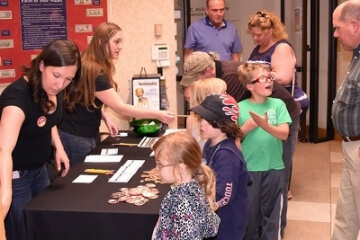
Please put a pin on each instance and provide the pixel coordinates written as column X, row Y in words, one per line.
column 264, row 15
column 263, row 79
column 160, row 166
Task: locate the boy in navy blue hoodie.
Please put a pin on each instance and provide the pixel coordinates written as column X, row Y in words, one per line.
column 218, row 123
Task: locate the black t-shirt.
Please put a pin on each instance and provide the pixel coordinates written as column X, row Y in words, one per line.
column 82, row 122
column 33, row 146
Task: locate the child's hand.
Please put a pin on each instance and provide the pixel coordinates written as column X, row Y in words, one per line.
column 261, row 121
column 248, row 126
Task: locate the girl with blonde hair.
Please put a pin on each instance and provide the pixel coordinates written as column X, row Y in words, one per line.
column 187, row 210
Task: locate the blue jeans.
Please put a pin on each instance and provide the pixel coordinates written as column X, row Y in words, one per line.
column 76, row 147
column 288, row 151
column 30, row 183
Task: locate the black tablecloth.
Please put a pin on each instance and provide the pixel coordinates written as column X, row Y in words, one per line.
column 67, row 210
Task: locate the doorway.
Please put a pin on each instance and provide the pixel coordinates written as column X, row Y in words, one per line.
column 315, row 48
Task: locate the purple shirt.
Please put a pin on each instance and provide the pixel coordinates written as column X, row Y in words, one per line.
column 203, row 36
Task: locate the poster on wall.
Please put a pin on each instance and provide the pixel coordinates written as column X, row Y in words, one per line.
column 146, row 92
column 26, row 26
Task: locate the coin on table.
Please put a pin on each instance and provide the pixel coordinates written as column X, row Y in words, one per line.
column 112, row 201
column 123, row 198
column 117, row 194
column 124, row 190
column 148, row 193
column 155, row 190
column 150, row 185
column 139, row 201
column 131, row 199
column 135, row 191
column 155, row 196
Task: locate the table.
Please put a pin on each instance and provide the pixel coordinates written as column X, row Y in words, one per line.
column 67, row 211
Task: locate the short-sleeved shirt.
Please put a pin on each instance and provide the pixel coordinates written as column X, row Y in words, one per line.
column 83, row 122
column 33, row 146
column 203, row 36
column 263, row 151
column 227, row 71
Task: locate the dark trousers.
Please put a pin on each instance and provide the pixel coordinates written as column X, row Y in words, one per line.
column 265, row 200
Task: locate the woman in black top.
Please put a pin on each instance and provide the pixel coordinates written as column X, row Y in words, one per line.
column 79, row 129
column 30, row 109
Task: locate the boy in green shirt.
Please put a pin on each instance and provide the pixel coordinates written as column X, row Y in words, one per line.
column 265, row 123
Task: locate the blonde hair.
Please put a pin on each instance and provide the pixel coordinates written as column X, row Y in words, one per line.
column 181, row 147
column 266, row 20
column 198, row 92
column 203, row 87
column 246, row 71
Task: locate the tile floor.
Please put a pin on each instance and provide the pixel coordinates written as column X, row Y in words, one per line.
column 314, row 186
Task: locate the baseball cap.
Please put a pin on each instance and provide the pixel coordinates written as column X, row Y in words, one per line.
column 195, row 63
column 217, row 106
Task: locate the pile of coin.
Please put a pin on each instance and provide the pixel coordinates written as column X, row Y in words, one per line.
column 137, row 196
column 151, row 176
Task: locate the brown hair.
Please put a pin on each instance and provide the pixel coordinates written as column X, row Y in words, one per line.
column 247, row 69
column 57, row 53
column 231, row 129
column 96, row 60
column 266, row 20
column 181, row 147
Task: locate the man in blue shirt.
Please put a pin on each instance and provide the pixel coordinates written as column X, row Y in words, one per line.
column 214, row 34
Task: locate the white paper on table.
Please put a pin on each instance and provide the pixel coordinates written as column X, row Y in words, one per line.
column 103, row 158
column 83, row 178
column 126, row 171
column 109, row 151
column 147, row 142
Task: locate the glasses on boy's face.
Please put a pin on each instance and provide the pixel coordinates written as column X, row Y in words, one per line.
column 263, row 79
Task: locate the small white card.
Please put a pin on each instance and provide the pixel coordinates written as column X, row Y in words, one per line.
column 85, row 178
column 103, row 158
column 109, row 151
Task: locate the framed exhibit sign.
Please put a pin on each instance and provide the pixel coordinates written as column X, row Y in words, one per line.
column 146, row 92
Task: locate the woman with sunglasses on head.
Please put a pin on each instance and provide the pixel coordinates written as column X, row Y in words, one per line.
column 30, row 108
column 268, row 32
column 79, row 129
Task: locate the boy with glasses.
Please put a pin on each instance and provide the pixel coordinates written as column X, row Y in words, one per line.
column 265, row 123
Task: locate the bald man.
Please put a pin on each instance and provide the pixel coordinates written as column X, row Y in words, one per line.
column 346, row 120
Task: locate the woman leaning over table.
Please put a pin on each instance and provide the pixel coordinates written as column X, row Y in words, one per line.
column 79, row 129
column 270, row 36
column 30, row 109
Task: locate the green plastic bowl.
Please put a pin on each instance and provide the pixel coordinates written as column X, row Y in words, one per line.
column 146, row 127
